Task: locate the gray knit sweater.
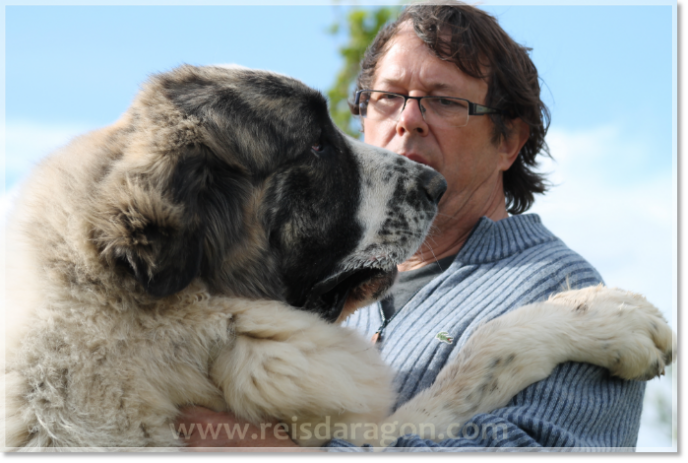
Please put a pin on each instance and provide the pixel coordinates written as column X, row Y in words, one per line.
column 502, row 266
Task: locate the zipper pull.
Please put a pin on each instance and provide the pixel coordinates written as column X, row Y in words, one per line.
column 377, row 337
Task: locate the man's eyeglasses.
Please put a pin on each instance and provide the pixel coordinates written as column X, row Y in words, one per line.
column 438, row 111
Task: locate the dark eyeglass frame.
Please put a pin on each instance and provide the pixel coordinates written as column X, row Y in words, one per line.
column 474, row 109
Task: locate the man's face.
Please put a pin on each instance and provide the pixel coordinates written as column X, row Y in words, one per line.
column 466, row 156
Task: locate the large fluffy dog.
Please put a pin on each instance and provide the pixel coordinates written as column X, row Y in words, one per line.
column 198, row 251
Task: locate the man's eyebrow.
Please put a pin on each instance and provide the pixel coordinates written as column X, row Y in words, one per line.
column 441, row 86
column 434, row 87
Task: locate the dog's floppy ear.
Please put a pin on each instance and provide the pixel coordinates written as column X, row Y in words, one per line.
column 149, row 219
column 176, row 265
column 171, row 207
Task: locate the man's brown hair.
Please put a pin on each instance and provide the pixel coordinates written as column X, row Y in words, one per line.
column 473, row 40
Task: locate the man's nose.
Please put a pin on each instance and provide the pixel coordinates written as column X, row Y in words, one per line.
column 411, row 119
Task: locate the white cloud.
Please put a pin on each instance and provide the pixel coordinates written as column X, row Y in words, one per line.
column 612, row 154
column 7, row 202
column 658, row 420
column 623, row 226
column 28, row 142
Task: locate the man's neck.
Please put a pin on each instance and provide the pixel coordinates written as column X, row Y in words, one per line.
column 447, row 237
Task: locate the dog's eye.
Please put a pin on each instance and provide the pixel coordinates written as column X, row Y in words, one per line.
column 317, row 148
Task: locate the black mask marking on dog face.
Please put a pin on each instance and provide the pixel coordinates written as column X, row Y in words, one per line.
column 268, row 131
column 314, row 227
column 286, row 207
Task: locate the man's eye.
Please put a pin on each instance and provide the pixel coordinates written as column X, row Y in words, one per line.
column 447, row 102
column 377, row 97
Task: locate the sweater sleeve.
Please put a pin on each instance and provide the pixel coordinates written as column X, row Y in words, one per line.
column 579, row 405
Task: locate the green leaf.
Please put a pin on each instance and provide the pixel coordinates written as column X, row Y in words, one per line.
column 361, row 27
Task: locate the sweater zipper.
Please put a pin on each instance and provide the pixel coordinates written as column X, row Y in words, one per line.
column 377, row 337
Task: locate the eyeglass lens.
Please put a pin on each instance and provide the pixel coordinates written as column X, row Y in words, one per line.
column 437, row 111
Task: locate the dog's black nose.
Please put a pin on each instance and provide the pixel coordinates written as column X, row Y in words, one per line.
column 433, row 184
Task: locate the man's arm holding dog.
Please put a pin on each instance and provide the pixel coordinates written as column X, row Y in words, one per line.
column 457, row 410
column 578, row 406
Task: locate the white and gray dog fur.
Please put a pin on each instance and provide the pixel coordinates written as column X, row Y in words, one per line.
column 201, row 250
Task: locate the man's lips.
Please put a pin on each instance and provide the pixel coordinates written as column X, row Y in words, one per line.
column 416, row 158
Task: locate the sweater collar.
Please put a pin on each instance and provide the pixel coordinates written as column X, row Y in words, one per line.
column 490, row 241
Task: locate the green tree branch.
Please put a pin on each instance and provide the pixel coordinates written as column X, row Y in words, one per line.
column 361, row 26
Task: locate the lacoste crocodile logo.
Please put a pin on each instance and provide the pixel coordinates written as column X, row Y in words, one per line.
column 443, row 336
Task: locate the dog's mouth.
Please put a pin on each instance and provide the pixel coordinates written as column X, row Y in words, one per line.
column 329, row 296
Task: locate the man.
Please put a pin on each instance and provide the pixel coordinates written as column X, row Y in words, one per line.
column 480, row 262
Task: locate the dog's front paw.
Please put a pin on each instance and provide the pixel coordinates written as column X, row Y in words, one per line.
column 631, row 337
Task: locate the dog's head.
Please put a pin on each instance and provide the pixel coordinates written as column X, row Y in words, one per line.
column 240, row 178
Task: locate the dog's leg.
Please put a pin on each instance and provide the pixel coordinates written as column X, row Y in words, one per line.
column 293, row 366
column 611, row 328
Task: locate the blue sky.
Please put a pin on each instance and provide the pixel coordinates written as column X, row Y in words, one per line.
column 80, row 66
column 607, row 72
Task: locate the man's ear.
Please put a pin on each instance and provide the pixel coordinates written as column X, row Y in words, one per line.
column 510, row 146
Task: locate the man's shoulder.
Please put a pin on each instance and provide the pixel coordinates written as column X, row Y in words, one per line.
column 552, row 263
column 521, row 249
